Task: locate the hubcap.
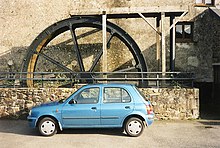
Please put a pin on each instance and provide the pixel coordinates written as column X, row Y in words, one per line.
column 48, row 127
column 134, row 127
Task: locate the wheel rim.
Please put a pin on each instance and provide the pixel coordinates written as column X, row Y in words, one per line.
column 134, row 127
column 38, row 48
column 48, row 127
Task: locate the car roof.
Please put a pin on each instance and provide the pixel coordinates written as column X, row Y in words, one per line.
column 111, row 84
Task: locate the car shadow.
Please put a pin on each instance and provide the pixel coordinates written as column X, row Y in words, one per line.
column 21, row 127
column 102, row 131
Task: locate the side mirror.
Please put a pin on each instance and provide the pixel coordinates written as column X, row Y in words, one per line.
column 73, row 101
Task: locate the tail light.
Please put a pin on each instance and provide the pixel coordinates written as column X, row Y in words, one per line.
column 149, row 108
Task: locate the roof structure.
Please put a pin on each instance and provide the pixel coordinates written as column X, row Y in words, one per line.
column 216, row 10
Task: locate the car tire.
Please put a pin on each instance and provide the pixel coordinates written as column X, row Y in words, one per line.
column 47, row 127
column 134, row 127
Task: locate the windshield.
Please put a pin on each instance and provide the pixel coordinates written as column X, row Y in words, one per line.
column 63, row 100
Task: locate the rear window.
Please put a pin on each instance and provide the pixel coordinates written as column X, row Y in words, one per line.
column 141, row 93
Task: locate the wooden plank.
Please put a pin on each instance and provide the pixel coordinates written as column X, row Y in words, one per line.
column 128, row 10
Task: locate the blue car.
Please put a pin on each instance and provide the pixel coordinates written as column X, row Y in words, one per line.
column 95, row 106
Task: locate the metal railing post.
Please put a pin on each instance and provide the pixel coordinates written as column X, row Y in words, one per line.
column 42, row 78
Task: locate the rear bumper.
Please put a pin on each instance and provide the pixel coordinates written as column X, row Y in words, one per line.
column 149, row 119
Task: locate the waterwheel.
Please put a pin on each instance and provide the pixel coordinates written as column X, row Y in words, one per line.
column 74, row 46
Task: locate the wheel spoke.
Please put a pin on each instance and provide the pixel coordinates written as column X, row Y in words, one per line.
column 126, row 69
column 55, row 62
column 109, row 39
column 76, row 47
column 96, row 61
column 80, row 36
column 87, row 33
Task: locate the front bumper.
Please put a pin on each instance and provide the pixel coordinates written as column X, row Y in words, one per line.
column 32, row 121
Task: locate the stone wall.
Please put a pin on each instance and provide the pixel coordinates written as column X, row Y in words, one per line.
column 174, row 103
column 168, row 103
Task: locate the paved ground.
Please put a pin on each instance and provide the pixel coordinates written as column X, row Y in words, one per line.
column 200, row 133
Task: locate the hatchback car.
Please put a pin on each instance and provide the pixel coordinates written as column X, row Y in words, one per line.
column 95, row 106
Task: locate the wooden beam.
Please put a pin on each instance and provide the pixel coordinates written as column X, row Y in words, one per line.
column 172, row 44
column 104, row 43
column 177, row 20
column 128, row 10
column 163, row 43
column 144, row 18
column 158, row 44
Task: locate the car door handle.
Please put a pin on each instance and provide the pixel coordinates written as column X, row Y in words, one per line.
column 127, row 107
column 93, row 108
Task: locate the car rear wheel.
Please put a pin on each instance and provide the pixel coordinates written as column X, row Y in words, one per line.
column 47, row 126
column 134, row 127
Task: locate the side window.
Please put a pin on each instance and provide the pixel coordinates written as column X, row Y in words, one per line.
column 88, row 96
column 205, row 2
column 116, row 95
column 184, row 32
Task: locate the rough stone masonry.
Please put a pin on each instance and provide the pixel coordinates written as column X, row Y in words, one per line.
column 177, row 104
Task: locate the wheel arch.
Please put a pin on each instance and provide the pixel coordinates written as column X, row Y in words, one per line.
column 133, row 115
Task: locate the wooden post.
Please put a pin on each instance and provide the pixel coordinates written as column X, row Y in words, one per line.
column 172, row 44
column 158, row 46
column 163, row 43
column 104, row 44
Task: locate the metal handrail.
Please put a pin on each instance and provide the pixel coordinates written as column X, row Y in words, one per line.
column 101, row 76
column 95, row 72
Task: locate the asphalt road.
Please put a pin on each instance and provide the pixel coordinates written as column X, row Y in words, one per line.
column 165, row 134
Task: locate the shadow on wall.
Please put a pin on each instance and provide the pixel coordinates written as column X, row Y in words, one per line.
column 12, row 60
column 63, row 55
column 207, row 35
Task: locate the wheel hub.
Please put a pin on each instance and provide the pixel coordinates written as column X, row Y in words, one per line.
column 48, row 127
column 134, row 127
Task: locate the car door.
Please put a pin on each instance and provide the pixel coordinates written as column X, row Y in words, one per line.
column 116, row 105
column 83, row 110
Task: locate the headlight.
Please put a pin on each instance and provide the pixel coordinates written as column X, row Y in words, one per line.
column 30, row 112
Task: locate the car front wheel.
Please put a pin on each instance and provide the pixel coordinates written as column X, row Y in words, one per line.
column 134, row 127
column 47, row 126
